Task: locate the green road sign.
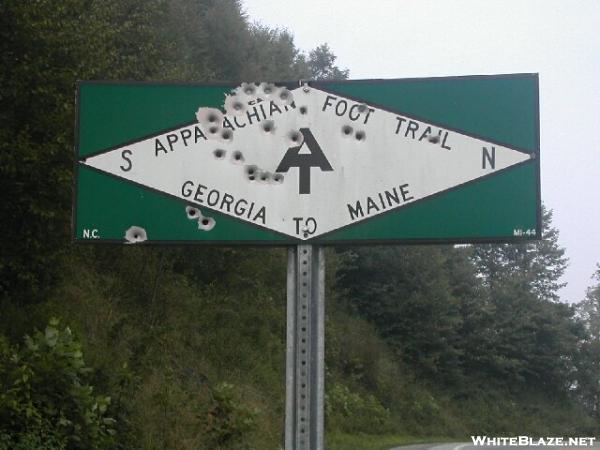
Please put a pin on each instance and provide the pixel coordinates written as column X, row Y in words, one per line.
column 435, row 160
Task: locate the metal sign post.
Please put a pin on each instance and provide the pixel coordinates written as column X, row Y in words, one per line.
column 305, row 363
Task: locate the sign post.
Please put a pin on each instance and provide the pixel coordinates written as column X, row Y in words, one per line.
column 305, row 165
column 305, row 360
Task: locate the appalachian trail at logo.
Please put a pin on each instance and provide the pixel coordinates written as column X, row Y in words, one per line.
column 304, row 161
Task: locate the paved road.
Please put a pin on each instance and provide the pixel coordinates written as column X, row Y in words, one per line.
column 470, row 446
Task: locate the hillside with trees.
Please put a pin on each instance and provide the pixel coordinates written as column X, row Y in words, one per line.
column 142, row 347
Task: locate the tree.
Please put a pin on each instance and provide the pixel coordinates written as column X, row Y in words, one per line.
column 45, row 46
column 321, row 61
column 534, row 267
column 589, row 308
column 533, row 337
column 407, row 294
column 587, row 385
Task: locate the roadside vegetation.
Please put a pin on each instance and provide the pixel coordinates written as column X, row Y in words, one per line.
column 140, row 347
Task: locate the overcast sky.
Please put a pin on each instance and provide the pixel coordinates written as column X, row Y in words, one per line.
column 559, row 39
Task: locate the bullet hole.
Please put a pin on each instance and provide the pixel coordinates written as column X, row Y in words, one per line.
column 254, row 173
column 251, row 172
column 234, row 105
column 360, row 135
column 347, row 130
column 206, row 223
column 303, row 110
column 264, row 177
column 226, row 135
column 135, row 235
column 213, row 130
column 285, row 96
column 249, row 89
column 295, row 137
column 209, row 117
column 267, row 89
column 434, row 138
column 219, row 153
column 305, row 233
column 237, row 157
column 362, row 108
column 268, row 126
column 192, row 213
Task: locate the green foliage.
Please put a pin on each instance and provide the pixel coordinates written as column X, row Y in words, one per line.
column 589, row 309
column 161, row 340
column 322, row 66
column 480, row 327
column 352, row 412
column 44, row 48
column 407, row 294
column 531, row 268
column 587, row 363
column 532, row 337
column 228, row 421
column 46, row 400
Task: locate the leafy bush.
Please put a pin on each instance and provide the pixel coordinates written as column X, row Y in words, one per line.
column 355, row 413
column 228, row 421
column 45, row 401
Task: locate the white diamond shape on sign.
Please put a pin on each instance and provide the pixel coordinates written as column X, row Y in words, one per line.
column 317, row 165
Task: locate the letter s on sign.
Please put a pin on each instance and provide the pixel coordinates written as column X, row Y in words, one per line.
column 125, row 155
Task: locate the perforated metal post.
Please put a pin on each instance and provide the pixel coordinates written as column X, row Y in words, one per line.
column 305, row 374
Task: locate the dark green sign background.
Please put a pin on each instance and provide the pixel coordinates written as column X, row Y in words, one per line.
column 502, row 207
